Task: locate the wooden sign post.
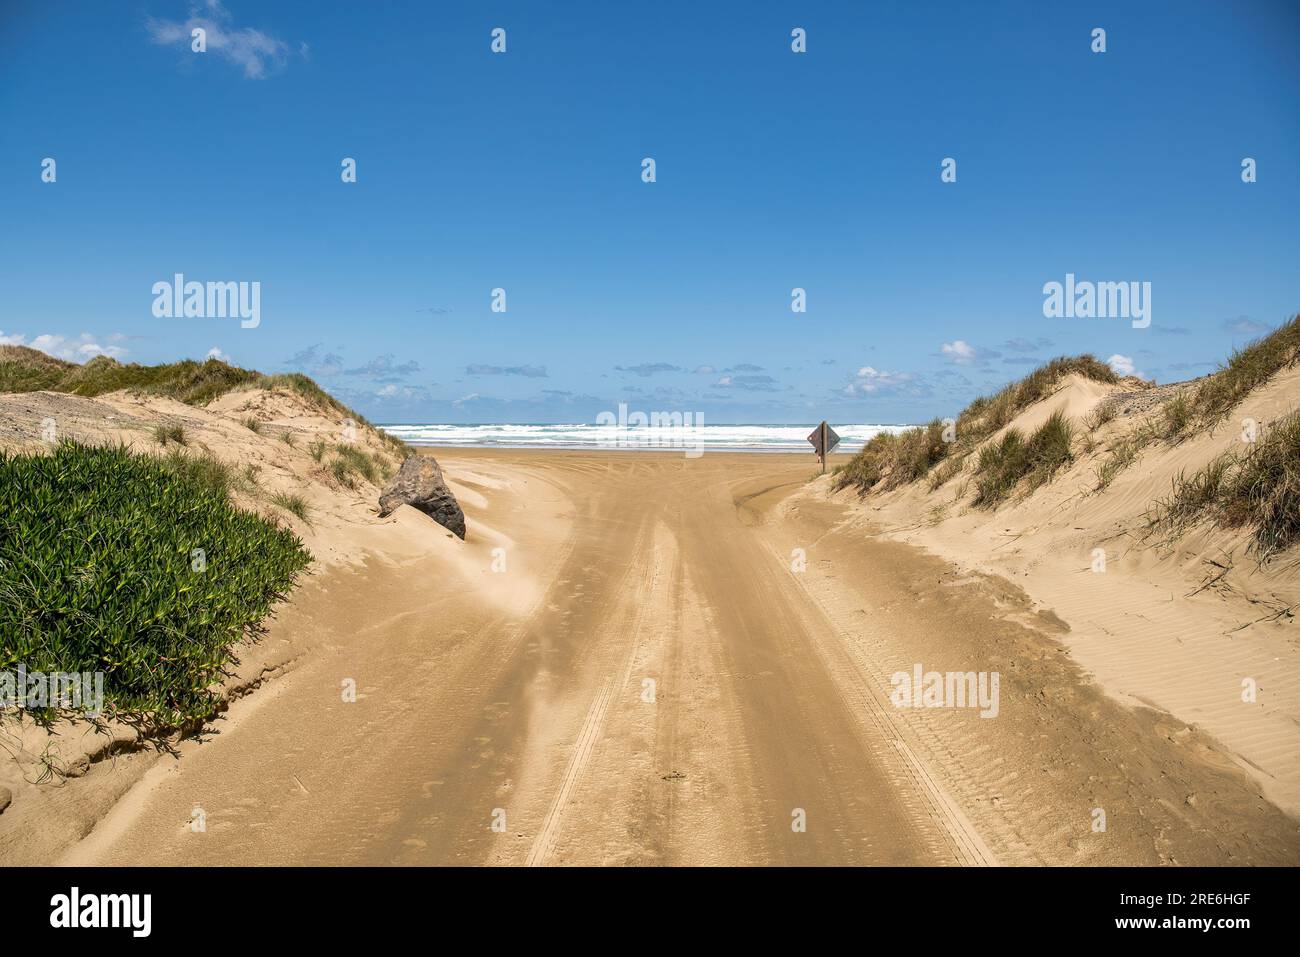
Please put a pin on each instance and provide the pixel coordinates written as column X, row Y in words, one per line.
column 823, row 439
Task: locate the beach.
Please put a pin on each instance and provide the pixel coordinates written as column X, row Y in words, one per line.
column 648, row 658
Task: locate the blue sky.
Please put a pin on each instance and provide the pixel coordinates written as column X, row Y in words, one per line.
column 774, row 170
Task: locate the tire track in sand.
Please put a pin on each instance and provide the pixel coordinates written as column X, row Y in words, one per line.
column 587, row 736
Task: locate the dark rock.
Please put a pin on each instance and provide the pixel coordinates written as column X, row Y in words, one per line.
column 419, row 484
column 6, row 797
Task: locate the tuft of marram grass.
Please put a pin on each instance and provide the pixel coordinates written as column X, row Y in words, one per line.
column 293, row 504
column 342, row 472
column 1122, row 454
column 945, row 472
column 1247, row 369
column 1103, row 413
column 252, row 424
column 1259, row 489
column 162, row 434
column 1176, row 416
column 1263, row 491
column 360, row 461
column 202, row 469
column 1003, row 465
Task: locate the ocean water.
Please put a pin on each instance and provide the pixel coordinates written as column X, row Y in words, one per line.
column 703, row 438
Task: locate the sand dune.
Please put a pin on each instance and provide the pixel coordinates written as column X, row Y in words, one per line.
column 1175, row 625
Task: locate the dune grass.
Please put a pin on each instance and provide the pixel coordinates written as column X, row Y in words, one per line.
column 1122, row 454
column 1104, row 412
column 342, row 472
column 194, row 383
column 946, row 471
column 888, row 461
column 137, row 567
column 1258, row 488
column 23, row 369
column 293, row 504
column 353, row 459
column 1004, row 464
column 1247, row 369
column 162, row 434
column 1176, row 416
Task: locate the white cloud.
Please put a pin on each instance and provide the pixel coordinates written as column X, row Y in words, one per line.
column 71, row 348
column 252, row 50
column 869, row 381
column 465, row 398
column 958, row 351
column 216, row 353
column 1122, row 365
column 724, row 381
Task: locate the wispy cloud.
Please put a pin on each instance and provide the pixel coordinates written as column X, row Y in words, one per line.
column 255, row 52
column 1020, row 344
column 531, row 372
column 314, row 362
column 385, row 369
column 1244, row 326
column 750, row 383
column 871, row 381
column 648, row 368
column 964, row 354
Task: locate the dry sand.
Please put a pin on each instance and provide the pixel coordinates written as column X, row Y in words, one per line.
column 621, row 665
column 1175, row 624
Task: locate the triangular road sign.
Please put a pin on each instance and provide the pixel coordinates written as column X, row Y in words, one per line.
column 824, row 440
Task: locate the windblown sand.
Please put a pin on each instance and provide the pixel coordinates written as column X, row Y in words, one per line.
column 639, row 658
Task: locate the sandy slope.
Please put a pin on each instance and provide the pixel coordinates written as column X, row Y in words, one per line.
column 1178, row 625
column 524, row 694
column 52, row 805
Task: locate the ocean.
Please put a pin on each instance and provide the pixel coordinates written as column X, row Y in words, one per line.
column 719, row 438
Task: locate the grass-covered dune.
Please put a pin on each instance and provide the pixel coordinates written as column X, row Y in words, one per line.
column 1255, row 485
column 889, row 461
column 134, row 566
column 195, row 383
column 151, row 561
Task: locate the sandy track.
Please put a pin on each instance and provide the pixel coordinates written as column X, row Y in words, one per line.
column 648, row 682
